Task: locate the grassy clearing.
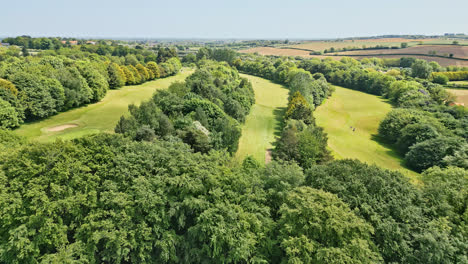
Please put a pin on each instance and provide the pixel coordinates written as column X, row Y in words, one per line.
column 388, row 42
column 348, row 108
column 461, row 94
column 264, row 120
column 98, row 117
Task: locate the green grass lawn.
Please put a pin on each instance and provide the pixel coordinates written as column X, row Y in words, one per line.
column 348, row 108
column 264, row 120
column 458, row 82
column 98, row 117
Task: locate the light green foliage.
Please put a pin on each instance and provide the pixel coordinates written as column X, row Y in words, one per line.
column 8, row 115
column 317, row 227
column 299, row 109
column 153, row 67
column 143, row 72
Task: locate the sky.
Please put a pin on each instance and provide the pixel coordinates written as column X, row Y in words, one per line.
column 239, row 19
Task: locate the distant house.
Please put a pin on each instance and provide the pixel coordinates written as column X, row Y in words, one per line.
column 4, row 44
column 91, row 42
column 72, row 42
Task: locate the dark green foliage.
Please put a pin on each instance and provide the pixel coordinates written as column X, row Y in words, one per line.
column 53, row 81
column 393, row 206
column 77, row 90
column 222, row 85
column 415, row 133
column 307, row 145
column 421, row 69
column 40, row 98
column 116, row 77
column 390, row 128
column 315, row 91
column 446, row 192
column 96, row 82
column 107, row 199
column 279, row 178
column 431, row 152
column 440, row 79
column 199, row 111
column 406, row 62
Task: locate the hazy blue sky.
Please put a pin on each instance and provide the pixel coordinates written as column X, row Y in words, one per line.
column 231, row 19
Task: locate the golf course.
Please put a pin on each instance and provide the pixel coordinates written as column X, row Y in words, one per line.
column 264, row 120
column 98, row 117
column 351, row 119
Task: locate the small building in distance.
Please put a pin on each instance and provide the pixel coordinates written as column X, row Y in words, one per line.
column 91, row 42
column 4, row 44
column 72, row 42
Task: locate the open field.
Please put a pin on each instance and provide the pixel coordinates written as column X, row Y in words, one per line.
column 442, row 61
column 277, row 51
column 457, row 51
column 348, row 108
column 305, row 54
column 264, row 120
column 461, row 94
column 322, row 45
column 98, row 117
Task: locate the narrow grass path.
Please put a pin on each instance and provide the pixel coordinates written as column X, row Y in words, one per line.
column 98, row 117
column 347, row 108
column 264, row 120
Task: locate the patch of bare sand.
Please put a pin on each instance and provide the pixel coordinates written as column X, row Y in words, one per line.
column 61, row 127
column 267, row 156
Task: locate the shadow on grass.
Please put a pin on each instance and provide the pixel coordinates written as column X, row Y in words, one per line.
column 391, row 151
column 279, row 117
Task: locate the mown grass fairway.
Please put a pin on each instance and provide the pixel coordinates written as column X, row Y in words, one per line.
column 264, row 120
column 98, row 117
column 348, row 108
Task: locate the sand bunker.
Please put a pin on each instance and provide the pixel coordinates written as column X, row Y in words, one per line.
column 61, row 127
column 268, row 156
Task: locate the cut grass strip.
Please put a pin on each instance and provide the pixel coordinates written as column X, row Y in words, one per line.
column 347, row 108
column 98, row 117
column 265, row 119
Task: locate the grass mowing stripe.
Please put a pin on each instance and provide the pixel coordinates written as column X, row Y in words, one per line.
column 347, row 108
column 97, row 117
column 264, row 121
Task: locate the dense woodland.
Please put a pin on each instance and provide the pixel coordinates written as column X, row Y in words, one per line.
column 35, row 87
column 165, row 189
column 205, row 111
